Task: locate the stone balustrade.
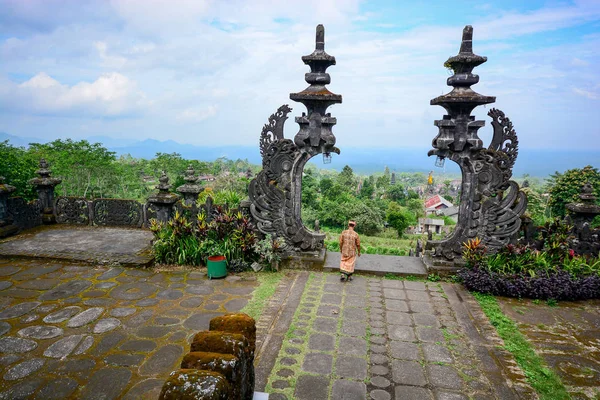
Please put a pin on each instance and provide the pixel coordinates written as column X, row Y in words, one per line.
column 220, row 364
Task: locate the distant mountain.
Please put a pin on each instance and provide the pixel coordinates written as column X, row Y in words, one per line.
column 535, row 162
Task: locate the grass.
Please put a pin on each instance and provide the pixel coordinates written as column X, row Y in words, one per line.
column 266, row 289
column 545, row 382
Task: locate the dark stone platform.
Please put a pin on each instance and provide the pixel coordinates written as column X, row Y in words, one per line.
column 376, row 264
column 94, row 245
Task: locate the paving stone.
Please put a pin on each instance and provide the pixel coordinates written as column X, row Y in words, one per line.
column 397, row 294
column 325, row 325
column 199, row 289
column 106, row 325
column 404, row 350
column 133, row 291
column 392, row 283
column 24, row 369
column 351, row 367
column 5, row 285
column 57, row 389
column 80, row 368
column 139, row 318
column 85, row 317
column 147, row 302
column 354, row 313
column 63, row 347
column 379, row 394
column 333, row 287
column 310, row 387
column 192, row 302
column 379, row 370
column 166, row 321
column 280, row 384
column 288, row 361
column 65, row 290
column 9, row 359
column 444, row 376
column 19, row 309
column 29, row 318
column 378, row 331
column 436, row 353
column 124, row 360
column 408, row 373
column 380, row 382
column 322, row 342
column 399, row 332
column 9, row 344
column 153, row 332
column 22, row 390
column 354, row 328
column 354, row 301
column 318, row 363
column 427, row 334
column 201, row 321
column 177, row 337
column 84, row 346
column 235, row 305
column 396, row 305
column 35, row 272
column 376, row 317
column 329, row 298
column 412, row 393
column 9, row 270
column 348, row 390
column 99, row 302
column 107, row 383
column 108, row 341
column 149, row 389
column 450, row 396
column 142, row 346
column 425, row 320
column 212, row 306
column 420, row 307
column 353, row 346
column 170, row 294
column 122, row 311
column 163, row 360
column 292, row 350
column 62, row 315
column 40, row 332
column 414, row 285
column 417, row 295
column 105, row 285
column 378, row 340
column 4, row 327
column 398, row 318
column 328, row 311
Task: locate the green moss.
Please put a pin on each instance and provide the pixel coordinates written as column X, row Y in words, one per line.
column 268, row 282
column 545, row 382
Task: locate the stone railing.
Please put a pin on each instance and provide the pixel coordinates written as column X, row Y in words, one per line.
column 220, row 364
column 17, row 214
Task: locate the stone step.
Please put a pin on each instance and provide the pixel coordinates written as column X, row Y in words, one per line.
column 375, row 264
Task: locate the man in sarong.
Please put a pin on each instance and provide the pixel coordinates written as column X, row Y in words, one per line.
column 350, row 248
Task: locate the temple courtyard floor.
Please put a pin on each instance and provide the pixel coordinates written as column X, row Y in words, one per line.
column 69, row 330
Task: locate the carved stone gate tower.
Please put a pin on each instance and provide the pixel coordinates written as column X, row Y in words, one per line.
column 490, row 203
column 276, row 192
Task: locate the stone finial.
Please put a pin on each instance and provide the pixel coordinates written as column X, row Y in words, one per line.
column 6, row 188
column 189, row 175
column 190, row 189
column 587, row 193
column 315, row 128
column 44, row 176
column 163, row 184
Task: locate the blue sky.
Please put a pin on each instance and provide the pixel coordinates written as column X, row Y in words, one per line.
column 211, row 72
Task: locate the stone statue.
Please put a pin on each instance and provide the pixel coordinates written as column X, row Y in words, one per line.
column 276, row 192
column 490, row 204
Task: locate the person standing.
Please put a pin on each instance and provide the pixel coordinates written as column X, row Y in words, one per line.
column 350, row 248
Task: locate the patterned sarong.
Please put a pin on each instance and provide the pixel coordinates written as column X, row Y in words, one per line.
column 349, row 247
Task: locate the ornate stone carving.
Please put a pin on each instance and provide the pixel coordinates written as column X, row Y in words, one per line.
column 117, row 212
column 190, row 189
column 585, row 239
column 44, row 184
column 25, row 215
column 72, row 210
column 491, row 204
column 276, row 192
column 160, row 205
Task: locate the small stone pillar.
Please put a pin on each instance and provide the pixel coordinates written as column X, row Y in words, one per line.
column 190, row 189
column 162, row 202
column 581, row 214
column 7, row 227
column 44, row 185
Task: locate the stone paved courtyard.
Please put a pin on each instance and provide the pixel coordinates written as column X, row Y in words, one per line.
column 70, row 331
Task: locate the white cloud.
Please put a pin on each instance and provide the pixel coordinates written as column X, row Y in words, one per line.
column 197, row 114
column 111, row 95
column 586, row 93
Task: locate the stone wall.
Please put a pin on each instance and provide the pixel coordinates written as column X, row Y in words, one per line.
column 25, row 215
column 220, row 364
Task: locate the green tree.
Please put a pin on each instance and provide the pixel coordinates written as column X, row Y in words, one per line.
column 565, row 188
column 396, row 193
column 347, row 179
column 400, row 218
column 367, row 189
column 17, row 166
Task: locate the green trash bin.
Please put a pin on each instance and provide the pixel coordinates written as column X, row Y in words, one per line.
column 216, row 266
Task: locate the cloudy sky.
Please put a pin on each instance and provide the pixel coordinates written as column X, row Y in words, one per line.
column 212, row 71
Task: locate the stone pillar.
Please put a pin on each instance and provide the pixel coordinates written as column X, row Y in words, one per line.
column 44, row 184
column 581, row 214
column 7, row 227
column 162, row 201
column 190, row 190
